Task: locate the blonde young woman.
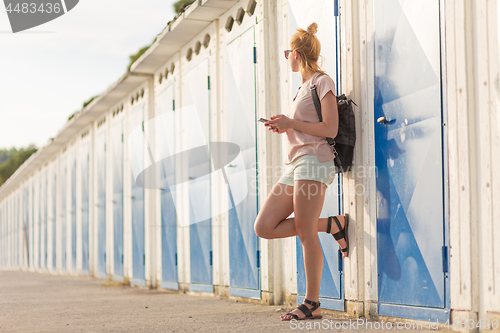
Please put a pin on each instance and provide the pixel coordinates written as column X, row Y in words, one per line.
column 309, row 169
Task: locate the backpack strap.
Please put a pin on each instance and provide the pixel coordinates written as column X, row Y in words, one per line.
column 317, row 105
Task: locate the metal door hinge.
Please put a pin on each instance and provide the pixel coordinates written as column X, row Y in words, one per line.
column 208, row 82
column 444, row 250
column 254, row 55
column 210, row 258
column 341, row 266
column 258, row 258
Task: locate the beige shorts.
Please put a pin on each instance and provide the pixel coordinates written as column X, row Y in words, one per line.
column 307, row 167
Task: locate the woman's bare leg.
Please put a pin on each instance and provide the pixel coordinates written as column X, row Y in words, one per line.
column 308, row 199
column 272, row 221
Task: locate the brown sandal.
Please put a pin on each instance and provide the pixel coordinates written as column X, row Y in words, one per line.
column 342, row 233
column 305, row 310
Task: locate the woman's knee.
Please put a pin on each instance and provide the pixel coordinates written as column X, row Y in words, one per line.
column 261, row 228
column 305, row 230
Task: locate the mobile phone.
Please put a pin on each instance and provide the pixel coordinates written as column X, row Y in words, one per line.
column 263, row 120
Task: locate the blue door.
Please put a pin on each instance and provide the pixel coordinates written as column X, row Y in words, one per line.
column 198, row 174
column 412, row 256
column 73, row 210
column 326, row 15
column 137, row 201
column 244, row 257
column 32, row 223
column 117, row 138
column 63, row 213
column 54, row 217
column 45, row 218
column 166, row 146
column 39, row 236
column 101, row 204
column 3, row 238
column 84, row 158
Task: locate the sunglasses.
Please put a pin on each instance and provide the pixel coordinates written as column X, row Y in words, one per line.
column 287, row 53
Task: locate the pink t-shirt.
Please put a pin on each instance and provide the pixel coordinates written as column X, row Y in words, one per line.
column 302, row 108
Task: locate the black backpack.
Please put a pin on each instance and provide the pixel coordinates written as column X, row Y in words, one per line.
column 343, row 144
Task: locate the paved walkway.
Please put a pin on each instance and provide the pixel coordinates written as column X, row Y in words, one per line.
column 37, row 302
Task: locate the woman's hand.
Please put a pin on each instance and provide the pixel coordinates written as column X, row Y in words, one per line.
column 279, row 123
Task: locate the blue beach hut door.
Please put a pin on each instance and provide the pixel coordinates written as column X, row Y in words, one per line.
column 241, row 174
column 325, row 14
column 411, row 234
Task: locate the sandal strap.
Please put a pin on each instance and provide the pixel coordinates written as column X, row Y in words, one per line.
column 344, row 249
column 314, row 304
column 329, row 226
column 293, row 315
column 305, row 310
column 341, row 233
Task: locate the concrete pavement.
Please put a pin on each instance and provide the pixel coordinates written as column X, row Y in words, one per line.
column 39, row 302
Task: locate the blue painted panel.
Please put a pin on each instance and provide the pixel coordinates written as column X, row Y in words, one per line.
column 19, row 227
column 170, row 285
column 5, row 231
column 73, row 211
column 3, row 237
column 327, row 303
column 138, row 282
column 63, row 213
column 198, row 171
column 409, row 155
column 117, row 137
column 137, row 202
column 2, row 241
column 242, row 173
column 332, row 279
column 45, row 219
column 166, row 146
column 32, row 223
column 84, row 158
column 248, row 293
column 427, row 314
column 39, row 254
column 101, row 204
column 27, row 224
column 54, row 217
column 205, row 288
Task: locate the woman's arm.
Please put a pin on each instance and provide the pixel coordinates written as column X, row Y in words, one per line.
column 327, row 128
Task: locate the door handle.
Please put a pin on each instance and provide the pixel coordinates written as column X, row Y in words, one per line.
column 382, row 120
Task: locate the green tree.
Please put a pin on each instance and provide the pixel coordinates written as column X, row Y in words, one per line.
column 136, row 56
column 181, row 5
column 10, row 166
column 5, row 154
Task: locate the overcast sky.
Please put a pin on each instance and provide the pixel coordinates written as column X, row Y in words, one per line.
column 47, row 72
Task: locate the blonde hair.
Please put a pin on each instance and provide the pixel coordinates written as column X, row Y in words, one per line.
column 308, row 46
